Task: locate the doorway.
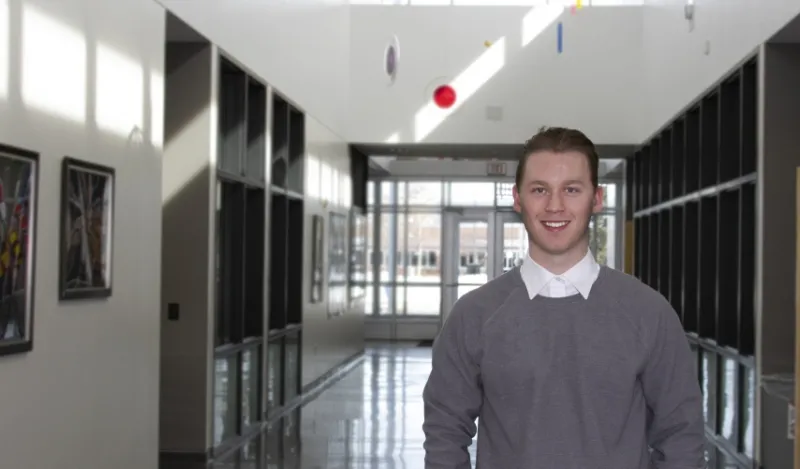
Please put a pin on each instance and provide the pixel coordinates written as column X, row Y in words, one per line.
column 479, row 245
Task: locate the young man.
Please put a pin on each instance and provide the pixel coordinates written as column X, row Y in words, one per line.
column 567, row 364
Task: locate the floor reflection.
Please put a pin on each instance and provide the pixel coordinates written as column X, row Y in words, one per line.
column 370, row 419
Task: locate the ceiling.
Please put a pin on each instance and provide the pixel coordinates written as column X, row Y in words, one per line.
column 471, row 151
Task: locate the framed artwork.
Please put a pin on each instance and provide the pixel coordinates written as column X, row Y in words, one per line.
column 87, row 220
column 337, row 264
column 317, row 247
column 358, row 261
column 19, row 178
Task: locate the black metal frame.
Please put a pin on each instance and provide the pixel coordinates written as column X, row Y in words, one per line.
column 691, row 197
column 337, row 235
column 68, row 165
column 286, row 247
column 317, row 262
column 241, row 178
column 243, row 115
column 9, row 347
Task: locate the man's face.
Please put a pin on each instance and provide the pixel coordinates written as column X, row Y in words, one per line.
column 556, row 200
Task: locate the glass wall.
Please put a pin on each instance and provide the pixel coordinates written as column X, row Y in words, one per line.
column 405, row 236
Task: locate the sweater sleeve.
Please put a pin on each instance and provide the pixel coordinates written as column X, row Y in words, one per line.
column 676, row 432
column 453, row 394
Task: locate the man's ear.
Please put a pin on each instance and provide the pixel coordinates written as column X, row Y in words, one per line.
column 517, row 202
column 598, row 199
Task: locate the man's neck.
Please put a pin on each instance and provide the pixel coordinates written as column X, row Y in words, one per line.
column 558, row 264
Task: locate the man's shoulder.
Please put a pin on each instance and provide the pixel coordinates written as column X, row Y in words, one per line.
column 622, row 284
column 633, row 294
column 491, row 295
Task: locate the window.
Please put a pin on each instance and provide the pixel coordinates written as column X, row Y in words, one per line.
column 504, row 194
column 609, row 195
column 467, row 194
column 423, row 232
column 425, row 193
column 371, row 193
column 603, row 239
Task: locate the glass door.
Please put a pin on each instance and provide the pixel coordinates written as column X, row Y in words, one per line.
column 468, row 257
column 511, row 242
column 478, row 245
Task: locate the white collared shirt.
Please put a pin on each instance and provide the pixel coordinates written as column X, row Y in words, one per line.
column 578, row 279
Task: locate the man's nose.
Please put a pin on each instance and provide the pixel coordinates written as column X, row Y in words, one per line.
column 554, row 203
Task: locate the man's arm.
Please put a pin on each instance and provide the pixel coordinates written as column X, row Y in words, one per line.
column 453, row 393
column 676, row 432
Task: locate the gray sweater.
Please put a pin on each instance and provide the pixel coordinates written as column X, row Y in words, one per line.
column 564, row 383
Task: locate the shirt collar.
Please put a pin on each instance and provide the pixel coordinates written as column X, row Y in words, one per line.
column 582, row 275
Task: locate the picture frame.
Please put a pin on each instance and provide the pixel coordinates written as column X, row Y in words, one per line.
column 19, row 182
column 87, row 229
column 317, row 260
column 357, row 268
column 337, row 263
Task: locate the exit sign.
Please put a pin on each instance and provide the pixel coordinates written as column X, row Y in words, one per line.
column 496, row 168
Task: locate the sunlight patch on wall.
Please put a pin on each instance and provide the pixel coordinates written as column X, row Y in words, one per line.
column 346, row 189
column 53, row 66
column 312, row 176
column 498, row 3
column 325, row 181
column 157, row 108
column 5, row 43
column 466, row 84
column 119, row 92
column 394, row 138
column 536, row 20
column 336, row 186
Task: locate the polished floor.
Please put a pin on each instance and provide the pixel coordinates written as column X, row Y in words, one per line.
column 370, row 419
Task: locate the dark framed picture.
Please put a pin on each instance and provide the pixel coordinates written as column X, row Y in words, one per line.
column 19, row 178
column 317, row 261
column 358, row 260
column 337, row 264
column 87, row 222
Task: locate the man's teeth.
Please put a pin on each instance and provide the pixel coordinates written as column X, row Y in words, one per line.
column 555, row 224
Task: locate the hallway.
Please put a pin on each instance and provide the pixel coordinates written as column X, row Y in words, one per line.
column 370, row 419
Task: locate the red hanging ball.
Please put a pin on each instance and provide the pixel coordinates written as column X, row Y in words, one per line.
column 444, row 96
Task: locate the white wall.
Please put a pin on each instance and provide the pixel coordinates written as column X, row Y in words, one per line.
column 300, row 47
column 593, row 85
column 77, row 77
column 678, row 70
column 327, row 341
column 190, row 135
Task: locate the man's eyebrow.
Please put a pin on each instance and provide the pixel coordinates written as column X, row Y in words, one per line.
column 566, row 183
